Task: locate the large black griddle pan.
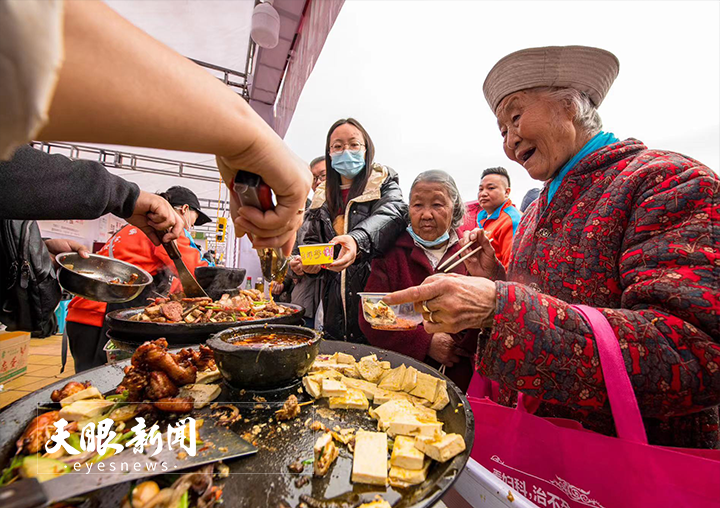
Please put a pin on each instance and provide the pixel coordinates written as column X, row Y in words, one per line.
column 120, row 327
column 263, row 479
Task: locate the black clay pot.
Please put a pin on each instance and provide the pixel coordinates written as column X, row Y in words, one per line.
column 262, row 368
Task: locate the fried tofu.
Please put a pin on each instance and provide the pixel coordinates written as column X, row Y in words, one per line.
column 393, row 409
column 368, row 388
column 207, row 377
column 85, row 409
column 201, row 394
column 87, row 393
column 442, row 398
column 426, row 386
column 313, row 386
column 413, row 425
column 405, row 455
column 394, row 380
column 353, row 399
column 370, row 368
column 343, row 358
column 410, row 379
column 402, row 477
column 333, row 388
column 370, row 458
column 442, row 447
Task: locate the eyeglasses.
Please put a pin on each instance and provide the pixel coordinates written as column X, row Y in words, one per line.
column 319, row 178
column 339, row 147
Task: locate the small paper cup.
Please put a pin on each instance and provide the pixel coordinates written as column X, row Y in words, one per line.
column 317, row 254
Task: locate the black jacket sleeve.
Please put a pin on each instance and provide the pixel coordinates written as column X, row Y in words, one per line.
column 377, row 234
column 39, row 186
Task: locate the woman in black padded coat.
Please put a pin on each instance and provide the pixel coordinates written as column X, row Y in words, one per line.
column 361, row 209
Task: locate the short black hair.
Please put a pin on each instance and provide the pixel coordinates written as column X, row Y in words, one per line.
column 497, row 171
column 316, row 160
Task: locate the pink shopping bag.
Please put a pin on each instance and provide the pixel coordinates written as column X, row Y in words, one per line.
column 555, row 465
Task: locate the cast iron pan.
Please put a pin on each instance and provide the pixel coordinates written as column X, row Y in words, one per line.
column 119, row 325
column 263, row 480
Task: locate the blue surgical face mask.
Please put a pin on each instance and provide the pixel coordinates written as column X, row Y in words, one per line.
column 348, row 163
column 429, row 244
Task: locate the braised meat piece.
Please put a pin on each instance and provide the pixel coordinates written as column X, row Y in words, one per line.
column 38, row 432
column 160, row 386
column 71, row 388
column 175, row 404
column 173, row 311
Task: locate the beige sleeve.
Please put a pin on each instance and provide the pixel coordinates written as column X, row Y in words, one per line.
column 31, row 54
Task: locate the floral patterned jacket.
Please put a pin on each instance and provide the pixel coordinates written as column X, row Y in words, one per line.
column 635, row 233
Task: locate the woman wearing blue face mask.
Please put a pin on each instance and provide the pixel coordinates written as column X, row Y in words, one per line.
column 360, row 208
column 436, row 210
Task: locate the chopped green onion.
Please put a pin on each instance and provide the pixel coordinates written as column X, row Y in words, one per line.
column 184, row 502
column 308, row 461
column 7, row 474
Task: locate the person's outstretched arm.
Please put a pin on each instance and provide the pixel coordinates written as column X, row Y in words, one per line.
column 119, row 85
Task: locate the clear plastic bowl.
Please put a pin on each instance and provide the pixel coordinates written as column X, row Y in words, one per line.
column 394, row 318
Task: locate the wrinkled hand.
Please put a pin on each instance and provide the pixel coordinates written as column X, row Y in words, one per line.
column 457, row 302
column 58, row 245
column 278, row 288
column 289, row 178
column 443, row 349
column 152, row 214
column 348, row 253
column 484, row 263
column 296, row 266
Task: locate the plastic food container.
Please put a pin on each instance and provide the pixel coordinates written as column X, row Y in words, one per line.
column 317, row 254
column 393, row 318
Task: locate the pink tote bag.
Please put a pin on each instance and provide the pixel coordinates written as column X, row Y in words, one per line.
column 558, row 464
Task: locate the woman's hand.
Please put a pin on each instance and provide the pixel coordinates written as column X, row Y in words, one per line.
column 288, row 177
column 296, row 266
column 278, row 288
column 443, row 349
column 153, row 213
column 58, row 245
column 484, row 263
column 311, row 268
column 348, row 253
column 456, row 302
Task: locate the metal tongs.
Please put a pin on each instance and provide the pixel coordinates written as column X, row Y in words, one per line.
column 251, row 190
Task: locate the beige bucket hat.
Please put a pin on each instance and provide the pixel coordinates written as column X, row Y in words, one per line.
column 590, row 70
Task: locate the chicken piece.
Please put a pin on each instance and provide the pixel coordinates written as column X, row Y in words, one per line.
column 325, row 454
column 296, row 467
column 160, row 386
column 175, row 404
column 153, row 310
column 71, row 388
column 134, row 382
column 38, row 432
column 206, row 359
column 173, row 311
column 290, row 409
column 152, row 356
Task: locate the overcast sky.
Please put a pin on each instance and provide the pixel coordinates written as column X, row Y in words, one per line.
column 412, row 73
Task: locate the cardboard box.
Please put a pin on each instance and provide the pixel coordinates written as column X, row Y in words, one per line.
column 14, row 354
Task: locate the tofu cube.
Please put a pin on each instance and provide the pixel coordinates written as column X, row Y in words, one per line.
column 349, row 370
column 410, row 379
column 201, row 394
column 207, row 377
column 383, row 396
column 426, row 386
column 87, row 393
column 353, row 399
column 343, row 358
column 412, row 425
column 85, row 409
column 405, row 455
column 322, row 364
column 370, row 369
column 394, row 380
column 402, row 477
column 368, row 388
column 333, row 388
column 313, row 386
column 442, row 398
column 370, row 458
column 385, row 365
column 442, row 447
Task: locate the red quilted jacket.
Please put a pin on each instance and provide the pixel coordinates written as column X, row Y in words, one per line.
column 636, row 233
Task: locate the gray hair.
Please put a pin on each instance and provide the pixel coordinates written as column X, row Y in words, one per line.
column 441, row 177
column 586, row 115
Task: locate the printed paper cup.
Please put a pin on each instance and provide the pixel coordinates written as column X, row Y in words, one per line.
column 318, row 254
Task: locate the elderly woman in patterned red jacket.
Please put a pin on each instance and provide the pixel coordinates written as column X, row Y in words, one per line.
column 631, row 231
column 435, row 211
